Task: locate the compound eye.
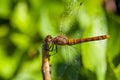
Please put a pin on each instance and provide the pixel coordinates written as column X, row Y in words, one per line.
column 50, row 36
column 48, row 39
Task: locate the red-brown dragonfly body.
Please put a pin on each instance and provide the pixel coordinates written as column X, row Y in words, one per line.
column 63, row 40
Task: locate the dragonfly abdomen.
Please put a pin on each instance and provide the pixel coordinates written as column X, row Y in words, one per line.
column 73, row 41
column 81, row 40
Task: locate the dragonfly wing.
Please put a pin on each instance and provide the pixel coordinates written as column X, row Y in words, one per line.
column 58, row 64
column 72, row 59
column 65, row 65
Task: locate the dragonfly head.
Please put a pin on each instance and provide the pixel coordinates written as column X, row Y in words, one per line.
column 48, row 39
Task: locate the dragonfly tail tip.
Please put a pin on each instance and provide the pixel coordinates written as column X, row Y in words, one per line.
column 108, row 36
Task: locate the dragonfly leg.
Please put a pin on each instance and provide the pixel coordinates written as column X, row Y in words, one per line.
column 51, row 47
column 54, row 49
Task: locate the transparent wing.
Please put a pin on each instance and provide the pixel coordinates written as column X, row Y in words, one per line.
column 65, row 65
column 58, row 65
column 74, row 63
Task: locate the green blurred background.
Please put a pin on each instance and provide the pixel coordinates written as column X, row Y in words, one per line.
column 25, row 23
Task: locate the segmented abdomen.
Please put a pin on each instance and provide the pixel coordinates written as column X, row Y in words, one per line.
column 81, row 40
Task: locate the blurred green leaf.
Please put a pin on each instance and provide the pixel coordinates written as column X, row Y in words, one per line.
column 4, row 8
column 24, row 24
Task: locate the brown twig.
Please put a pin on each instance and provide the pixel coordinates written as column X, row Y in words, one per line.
column 45, row 62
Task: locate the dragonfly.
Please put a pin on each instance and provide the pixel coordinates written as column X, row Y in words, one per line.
column 63, row 40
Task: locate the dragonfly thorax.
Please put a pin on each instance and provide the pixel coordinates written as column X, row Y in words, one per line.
column 60, row 40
